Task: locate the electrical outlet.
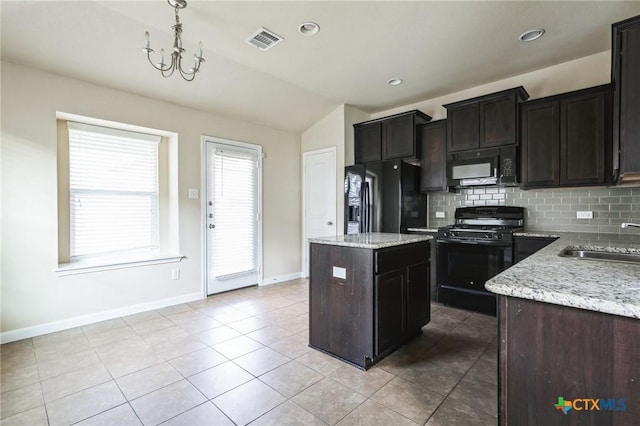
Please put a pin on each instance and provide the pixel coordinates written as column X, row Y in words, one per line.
column 440, row 215
column 584, row 215
column 175, row 274
column 193, row 193
column 340, row 272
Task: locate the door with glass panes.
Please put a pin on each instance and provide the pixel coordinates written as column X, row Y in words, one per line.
column 232, row 209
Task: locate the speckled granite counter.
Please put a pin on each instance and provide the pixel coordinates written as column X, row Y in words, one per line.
column 602, row 286
column 373, row 240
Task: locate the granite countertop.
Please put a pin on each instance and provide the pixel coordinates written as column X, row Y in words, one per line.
column 372, row 240
column 602, row 286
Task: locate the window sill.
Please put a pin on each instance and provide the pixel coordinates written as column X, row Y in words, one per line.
column 107, row 264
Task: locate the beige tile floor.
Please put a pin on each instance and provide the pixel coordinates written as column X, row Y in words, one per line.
column 242, row 357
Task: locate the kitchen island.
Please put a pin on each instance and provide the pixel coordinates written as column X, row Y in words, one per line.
column 569, row 334
column 368, row 294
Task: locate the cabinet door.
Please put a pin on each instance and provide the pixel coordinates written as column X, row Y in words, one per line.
column 582, row 139
column 541, row 144
column 498, row 122
column 629, row 96
column 433, row 161
column 390, row 315
column 524, row 247
column 418, row 300
column 463, row 128
column 368, row 142
column 399, row 138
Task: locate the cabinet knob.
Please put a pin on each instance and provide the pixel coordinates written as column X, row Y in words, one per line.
column 329, row 223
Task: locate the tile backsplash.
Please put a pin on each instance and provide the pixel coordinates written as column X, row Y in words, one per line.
column 548, row 209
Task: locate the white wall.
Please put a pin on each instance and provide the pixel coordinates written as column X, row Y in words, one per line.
column 32, row 293
column 573, row 75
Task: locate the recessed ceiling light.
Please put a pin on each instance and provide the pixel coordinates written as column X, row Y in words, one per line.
column 532, row 34
column 394, row 81
column 309, row 28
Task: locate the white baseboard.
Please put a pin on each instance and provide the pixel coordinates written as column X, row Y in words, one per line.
column 51, row 327
column 281, row 278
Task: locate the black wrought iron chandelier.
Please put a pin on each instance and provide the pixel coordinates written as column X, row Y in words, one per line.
column 165, row 69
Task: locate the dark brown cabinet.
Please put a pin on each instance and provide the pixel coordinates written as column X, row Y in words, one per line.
column 625, row 69
column 566, row 139
column 389, row 310
column 484, row 122
column 433, row 160
column 382, row 302
column 389, row 138
column 549, row 351
column 368, row 142
column 524, row 247
column 402, row 305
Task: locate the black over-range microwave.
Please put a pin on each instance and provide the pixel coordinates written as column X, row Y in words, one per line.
column 483, row 167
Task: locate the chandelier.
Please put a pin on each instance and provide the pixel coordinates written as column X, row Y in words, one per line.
column 165, row 69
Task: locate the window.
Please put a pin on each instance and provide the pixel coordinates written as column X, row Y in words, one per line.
column 117, row 195
column 113, row 190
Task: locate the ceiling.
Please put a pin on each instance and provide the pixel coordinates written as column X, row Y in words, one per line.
column 436, row 48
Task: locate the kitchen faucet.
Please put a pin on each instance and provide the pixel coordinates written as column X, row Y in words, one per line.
column 627, row 224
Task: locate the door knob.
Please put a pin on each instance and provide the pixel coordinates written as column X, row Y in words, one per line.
column 211, row 226
column 329, row 223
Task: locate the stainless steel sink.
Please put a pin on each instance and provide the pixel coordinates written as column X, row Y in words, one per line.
column 600, row 255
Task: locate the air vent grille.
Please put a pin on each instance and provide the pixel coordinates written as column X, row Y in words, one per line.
column 264, row 39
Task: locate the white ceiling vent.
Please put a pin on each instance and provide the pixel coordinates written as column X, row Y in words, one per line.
column 264, row 39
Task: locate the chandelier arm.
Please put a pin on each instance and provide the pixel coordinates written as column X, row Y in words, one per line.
column 154, row 64
column 168, row 72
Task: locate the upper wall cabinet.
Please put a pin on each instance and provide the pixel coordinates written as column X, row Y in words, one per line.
column 433, row 161
column 566, row 139
column 625, row 69
column 484, row 122
column 389, row 138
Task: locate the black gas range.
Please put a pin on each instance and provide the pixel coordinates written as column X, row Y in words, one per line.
column 478, row 246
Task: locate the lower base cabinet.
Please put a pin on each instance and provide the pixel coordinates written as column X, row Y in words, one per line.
column 524, row 247
column 381, row 303
column 552, row 355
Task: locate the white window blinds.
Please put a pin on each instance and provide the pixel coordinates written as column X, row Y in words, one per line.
column 235, row 208
column 113, row 184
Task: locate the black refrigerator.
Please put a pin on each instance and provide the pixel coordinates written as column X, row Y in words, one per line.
column 383, row 196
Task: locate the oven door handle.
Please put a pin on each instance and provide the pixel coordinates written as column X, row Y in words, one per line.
column 477, row 243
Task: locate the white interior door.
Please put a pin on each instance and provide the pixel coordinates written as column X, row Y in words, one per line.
column 233, row 216
column 319, row 197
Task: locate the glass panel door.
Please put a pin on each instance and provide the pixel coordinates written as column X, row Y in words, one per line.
column 232, row 216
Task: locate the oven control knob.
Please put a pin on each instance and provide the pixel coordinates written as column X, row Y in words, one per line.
column 498, row 236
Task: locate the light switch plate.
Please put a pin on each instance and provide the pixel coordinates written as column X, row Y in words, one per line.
column 440, row 215
column 340, row 272
column 584, row 215
column 193, row 193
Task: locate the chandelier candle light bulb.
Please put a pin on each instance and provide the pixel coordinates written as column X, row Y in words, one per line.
column 176, row 55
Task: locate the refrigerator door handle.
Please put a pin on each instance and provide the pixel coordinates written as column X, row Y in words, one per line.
column 367, row 207
column 363, row 208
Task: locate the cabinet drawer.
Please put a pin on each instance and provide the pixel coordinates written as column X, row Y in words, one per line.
column 392, row 258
